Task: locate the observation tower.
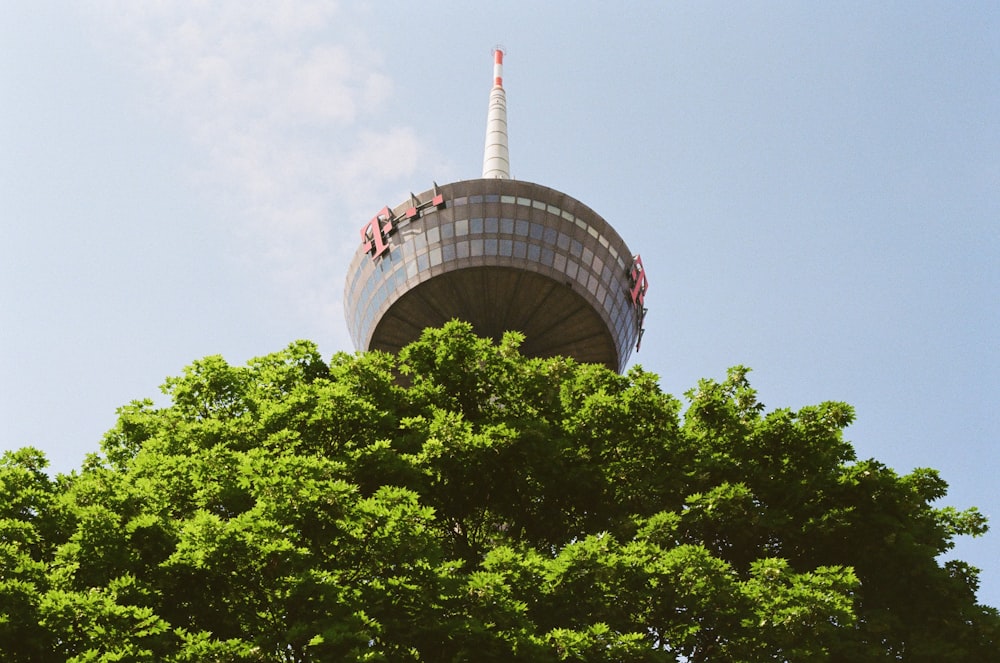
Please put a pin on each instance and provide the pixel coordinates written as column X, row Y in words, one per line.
column 503, row 255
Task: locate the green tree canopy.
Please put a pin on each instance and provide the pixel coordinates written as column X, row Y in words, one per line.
column 461, row 502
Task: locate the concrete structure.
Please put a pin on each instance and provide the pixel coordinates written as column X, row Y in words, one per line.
column 503, row 255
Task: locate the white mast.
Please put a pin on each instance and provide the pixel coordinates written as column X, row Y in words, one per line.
column 496, row 159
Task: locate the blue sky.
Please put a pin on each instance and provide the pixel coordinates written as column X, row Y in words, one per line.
column 815, row 191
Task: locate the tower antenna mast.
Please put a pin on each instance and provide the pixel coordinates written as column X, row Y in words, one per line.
column 496, row 158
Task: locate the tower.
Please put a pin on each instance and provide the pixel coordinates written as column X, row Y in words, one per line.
column 503, row 255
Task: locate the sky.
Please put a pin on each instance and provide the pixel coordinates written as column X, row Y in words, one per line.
column 814, row 190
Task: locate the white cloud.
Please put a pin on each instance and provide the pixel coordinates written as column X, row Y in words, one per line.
column 288, row 102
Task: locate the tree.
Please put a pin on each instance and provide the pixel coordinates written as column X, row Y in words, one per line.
column 462, row 502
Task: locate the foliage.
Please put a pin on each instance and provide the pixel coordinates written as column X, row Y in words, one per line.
column 461, row 502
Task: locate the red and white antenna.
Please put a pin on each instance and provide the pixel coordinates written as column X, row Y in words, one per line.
column 496, row 158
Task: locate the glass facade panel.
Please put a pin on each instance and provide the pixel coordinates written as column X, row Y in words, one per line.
column 507, row 226
column 475, row 226
column 520, row 249
column 492, row 226
column 506, row 247
column 462, row 227
column 521, row 228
